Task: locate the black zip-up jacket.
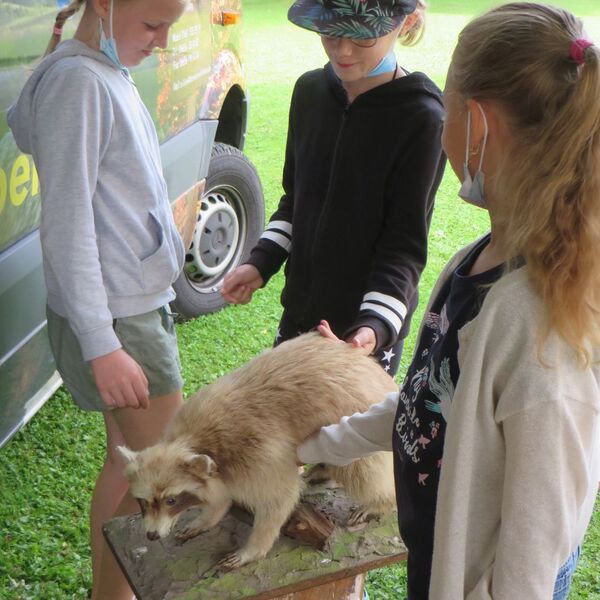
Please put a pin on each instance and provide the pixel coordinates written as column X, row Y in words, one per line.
column 359, row 184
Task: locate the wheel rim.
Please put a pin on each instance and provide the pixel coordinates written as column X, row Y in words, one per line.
column 218, row 238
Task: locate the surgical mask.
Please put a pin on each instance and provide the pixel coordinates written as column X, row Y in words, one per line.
column 386, row 65
column 108, row 46
column 471, row 190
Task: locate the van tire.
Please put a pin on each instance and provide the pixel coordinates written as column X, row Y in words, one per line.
column 233, row 201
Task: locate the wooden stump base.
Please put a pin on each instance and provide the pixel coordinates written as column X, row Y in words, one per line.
column 167, row 570
column 351, row 588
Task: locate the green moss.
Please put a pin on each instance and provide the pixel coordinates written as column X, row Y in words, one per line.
column 183, row 569
column 387, row 529
column 229, row 586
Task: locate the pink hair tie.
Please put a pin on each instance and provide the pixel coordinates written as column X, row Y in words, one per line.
column 578, row 48
column 58, row 31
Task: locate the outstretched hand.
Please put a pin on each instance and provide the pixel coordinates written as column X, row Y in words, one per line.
column 325, row 330
column 240, row 284
column 364, row 337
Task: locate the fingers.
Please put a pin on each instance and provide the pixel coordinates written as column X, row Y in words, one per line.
column 112, row 397
column 127, row 397
column 141, row 392
column 230, row 283
column 120, row 398
column 128, row 394
column 364, row 338
column 108, row 399
column 239, row 295
column 238, row 277
column 134, row 390
column 121, row 381
column 240, row 284
column 245, row 294
column 361, row 344
column 325, row 330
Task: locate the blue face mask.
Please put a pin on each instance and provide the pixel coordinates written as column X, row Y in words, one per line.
column 386, row 65
column 108, row 46
column 472, row 190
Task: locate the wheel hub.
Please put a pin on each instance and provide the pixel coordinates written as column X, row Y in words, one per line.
column 215, row 238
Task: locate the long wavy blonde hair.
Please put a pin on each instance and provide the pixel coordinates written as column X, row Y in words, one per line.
column 519, row 55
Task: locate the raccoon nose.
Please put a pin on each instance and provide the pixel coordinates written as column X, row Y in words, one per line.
column 152, row 535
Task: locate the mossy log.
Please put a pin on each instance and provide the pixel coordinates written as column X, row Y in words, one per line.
column 309, row 525
column 167, row 570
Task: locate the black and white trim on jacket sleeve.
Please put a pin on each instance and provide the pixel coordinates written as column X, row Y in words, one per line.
column 279, row 232
column 388, row 308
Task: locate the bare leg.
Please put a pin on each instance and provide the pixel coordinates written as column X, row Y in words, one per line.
column 140, row 429
column 110, row 489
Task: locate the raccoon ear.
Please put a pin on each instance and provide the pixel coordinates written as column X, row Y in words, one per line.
column 130, row 456
column 202, row 464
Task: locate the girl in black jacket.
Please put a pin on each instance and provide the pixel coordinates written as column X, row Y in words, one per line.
column 363, row 162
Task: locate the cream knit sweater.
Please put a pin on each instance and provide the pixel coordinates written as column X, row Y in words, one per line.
column 521, row 457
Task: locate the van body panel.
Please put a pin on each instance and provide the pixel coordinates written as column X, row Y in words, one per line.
column 27, row 371
column 185, row 158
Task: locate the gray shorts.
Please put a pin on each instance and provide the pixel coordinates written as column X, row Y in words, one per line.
column 149, row 338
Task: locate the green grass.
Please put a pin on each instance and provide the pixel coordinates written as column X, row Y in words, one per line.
column 475, row 7
column 48, row 470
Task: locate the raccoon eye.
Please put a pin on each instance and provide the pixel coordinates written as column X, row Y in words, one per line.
column 171, row 501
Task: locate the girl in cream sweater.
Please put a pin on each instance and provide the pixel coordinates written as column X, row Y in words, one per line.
column 496, row 428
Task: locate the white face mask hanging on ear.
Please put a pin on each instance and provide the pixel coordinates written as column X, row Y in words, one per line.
column 471, row 190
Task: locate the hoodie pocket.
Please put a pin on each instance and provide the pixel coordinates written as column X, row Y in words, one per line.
column 160, row 268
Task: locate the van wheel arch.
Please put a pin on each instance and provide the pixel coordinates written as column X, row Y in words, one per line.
column 233, row 119
column 230, row 221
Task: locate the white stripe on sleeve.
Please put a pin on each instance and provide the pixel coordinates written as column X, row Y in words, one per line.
column 278, row 238
column 389, row 301
column 282, row 226
column 389, row 315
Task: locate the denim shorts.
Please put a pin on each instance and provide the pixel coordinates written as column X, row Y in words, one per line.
column 149, row 338
column 565, row 576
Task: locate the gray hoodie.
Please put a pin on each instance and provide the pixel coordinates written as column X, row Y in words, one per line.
column 109, row 242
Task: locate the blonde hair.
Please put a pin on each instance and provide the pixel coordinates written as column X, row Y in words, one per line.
column 415, row 33
column 520, row 56
column 66, row 13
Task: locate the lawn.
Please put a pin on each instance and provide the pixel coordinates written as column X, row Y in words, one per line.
column 48, row 470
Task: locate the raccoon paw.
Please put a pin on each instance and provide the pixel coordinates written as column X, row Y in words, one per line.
column 316, row 474
column 358, row 517
column 320, row 473
column 183, row 535
column 230, row 562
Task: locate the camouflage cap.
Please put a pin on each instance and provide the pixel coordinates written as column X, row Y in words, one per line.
column 355, row 19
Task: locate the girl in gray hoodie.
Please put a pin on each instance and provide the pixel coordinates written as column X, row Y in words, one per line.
column 111, row 250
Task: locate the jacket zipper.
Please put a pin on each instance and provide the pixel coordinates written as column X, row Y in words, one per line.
column 326, row 206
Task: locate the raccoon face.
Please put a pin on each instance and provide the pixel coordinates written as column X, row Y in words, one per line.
column 168, row 483
column 161, row 513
